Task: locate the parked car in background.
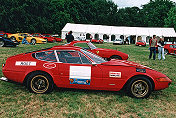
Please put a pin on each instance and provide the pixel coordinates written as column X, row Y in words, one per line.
column 55, row 38
column 48, row 39
column 105, row 53
column 73, row 67
column 4, row 34
column 79, row 38
column 118, row 41
column 141, row 43
column 97, row 40
column 8, row 42
column 170, row 49
column 33, row 40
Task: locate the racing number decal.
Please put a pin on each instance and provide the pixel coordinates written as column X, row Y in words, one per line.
column 25, row 63
column 80, row 75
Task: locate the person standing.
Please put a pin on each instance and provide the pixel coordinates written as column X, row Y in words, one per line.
column 69, row 37
column 153, row 45
column 161, row 49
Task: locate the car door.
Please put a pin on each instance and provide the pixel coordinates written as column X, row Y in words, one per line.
column 77, row 71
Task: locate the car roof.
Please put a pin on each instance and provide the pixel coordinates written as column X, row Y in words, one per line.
column 65, row 48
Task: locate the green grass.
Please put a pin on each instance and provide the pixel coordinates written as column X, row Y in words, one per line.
column 17, row 101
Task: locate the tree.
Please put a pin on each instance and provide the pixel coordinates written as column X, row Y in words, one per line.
column 155, row 12
column 170, row 21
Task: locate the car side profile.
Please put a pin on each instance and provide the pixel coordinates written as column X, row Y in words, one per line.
column 8, row 42
column 170, row 49
column 73, row 67
column 33, row 40
column 102, row 52
column 97, row 41
column 141, row 43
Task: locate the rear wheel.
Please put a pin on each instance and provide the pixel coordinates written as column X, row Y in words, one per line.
column 116, row 57
column 166, row 51
column 33, row 41
column 13, row 38
column 39, row 83
column 139, row 87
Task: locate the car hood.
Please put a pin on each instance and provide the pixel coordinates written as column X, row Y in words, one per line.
column 109, row 50
column 115, row 62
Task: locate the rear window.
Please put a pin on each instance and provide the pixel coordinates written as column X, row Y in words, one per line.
column 46, row 56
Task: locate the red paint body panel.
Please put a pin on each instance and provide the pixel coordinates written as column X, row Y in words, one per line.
column 102, row 52
column 171, row 48
column 140, row 43
column 96, row 41
column 111, row 75
column 49, row 39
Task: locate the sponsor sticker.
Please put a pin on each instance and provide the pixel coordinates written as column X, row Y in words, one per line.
column 49, row 65
column 115, row 74
column 80, row 75
column 25, row 63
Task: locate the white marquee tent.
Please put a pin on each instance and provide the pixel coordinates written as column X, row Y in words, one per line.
column 101, row 30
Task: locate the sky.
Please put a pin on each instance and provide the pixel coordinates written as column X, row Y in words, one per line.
column 131, row 3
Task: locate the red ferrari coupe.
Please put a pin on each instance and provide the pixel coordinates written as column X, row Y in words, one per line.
column 105, row 53
column 96, row 41
column 73, row 67
column 141, row 43
column 170, row 49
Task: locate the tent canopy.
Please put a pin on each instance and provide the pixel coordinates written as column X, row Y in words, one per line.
column 119, row 30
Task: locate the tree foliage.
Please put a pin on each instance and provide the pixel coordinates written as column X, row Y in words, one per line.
column 50, row 16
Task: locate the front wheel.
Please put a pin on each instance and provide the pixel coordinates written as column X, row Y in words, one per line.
column 40, row 83
column 139, row 87
column 2, row 43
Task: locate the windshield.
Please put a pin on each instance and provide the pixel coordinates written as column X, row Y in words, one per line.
column 94, row 57
column 91, row 45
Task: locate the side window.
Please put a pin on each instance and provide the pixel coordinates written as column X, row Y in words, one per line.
column 72, row 57
column 46, row 56
column 82, row 45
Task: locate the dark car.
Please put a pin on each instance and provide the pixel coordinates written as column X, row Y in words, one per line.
column 8, row 42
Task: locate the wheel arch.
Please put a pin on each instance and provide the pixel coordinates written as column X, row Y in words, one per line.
column 130, row 79
column 36, row 71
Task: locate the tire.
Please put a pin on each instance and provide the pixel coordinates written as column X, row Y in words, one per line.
column 2, row 43
column 54, row 41
column 166, row 51
column 139, row 87
column 116, row 57
column 33, row 41
column 40, row 83
column 13, row 38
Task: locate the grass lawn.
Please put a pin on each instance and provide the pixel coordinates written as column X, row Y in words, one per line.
column 17, row 101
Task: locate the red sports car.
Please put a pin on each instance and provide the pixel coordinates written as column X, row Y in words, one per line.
column 105, row 53
column 141, row 43
column 56, row 38
column 96, row 41
column 49, row 39
column 74, row 67
column 170, row 49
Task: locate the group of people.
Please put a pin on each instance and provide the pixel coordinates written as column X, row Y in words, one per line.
column 160, row 44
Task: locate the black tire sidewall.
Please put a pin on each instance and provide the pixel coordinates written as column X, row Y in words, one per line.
column 116, row 57
column 33, row 40
column 150, row 88
column 49, row 79
column 3, row 42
